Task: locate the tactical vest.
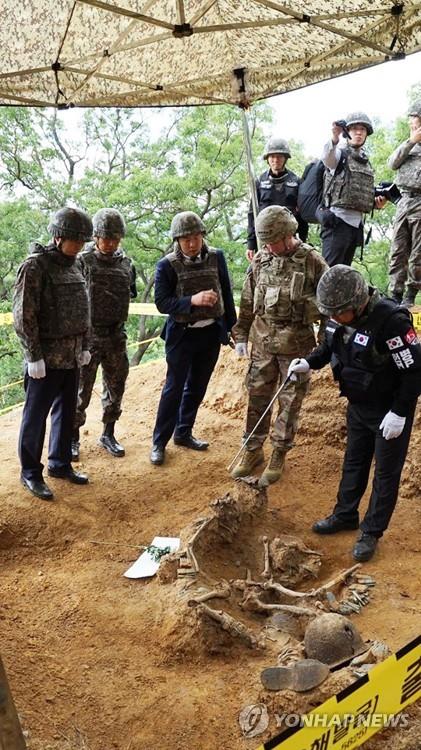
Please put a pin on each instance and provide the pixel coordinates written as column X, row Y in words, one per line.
column 352, row 184
column 108, row 281
column 197, row 277
column 284, row 298
column 64, row 308
column 364, row 374
column 278, row 191
column 409, row 173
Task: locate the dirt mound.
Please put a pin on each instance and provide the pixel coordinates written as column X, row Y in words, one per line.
column 100, row 662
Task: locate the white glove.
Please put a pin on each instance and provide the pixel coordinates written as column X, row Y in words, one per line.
column 241, row 349
column 85, row 357
column 392, row 425
column 297, row 365
column 36, row 370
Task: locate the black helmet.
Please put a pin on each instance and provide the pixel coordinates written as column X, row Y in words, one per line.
column 341, row 288
column 71, row 224
column 108, row 222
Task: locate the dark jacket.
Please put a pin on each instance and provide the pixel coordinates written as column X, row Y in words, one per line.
column 169, row 303
column 276, row 191
column 377, row 361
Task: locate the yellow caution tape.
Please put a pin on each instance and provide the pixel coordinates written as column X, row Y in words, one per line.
column 6, row 319
column 370, row 704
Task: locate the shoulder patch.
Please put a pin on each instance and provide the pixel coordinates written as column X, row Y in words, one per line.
column 394, row 343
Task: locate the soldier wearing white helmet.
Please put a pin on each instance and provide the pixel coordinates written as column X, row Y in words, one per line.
column 277, row 186
column 375, row 357
column 192, row 287
column 277, row 311
column 348, row 191
column 405, row 259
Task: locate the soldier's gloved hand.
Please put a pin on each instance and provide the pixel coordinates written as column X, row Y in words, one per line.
column 241, row 349
column 85, row 358
column 297, row 365
column 36, row 370
column 392, row 425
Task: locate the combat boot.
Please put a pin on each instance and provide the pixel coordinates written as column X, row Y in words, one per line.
column 249, row 460
column 108, row 441
column 75, row 445
column 274, row 469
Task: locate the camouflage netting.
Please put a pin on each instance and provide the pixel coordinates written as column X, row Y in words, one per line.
column 171, row 52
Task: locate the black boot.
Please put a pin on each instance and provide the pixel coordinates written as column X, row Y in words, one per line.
column 75, row 445
column 108, row 441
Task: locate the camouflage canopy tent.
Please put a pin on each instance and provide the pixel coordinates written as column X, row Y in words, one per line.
column 173, row 52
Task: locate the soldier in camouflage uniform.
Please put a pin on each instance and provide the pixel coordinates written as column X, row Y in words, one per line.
column 111, row 283
column 277, row 312
column 405, row 260
column 51, row 317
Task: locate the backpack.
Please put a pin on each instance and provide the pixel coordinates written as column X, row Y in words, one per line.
column 310, row 192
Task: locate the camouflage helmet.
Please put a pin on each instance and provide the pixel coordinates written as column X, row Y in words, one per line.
column 275, row 223
column 71, row 224
column 415, row 109
column 277, row 146
column 359, row 118
column 186, row 222
column 108, row 222
column 331, row 638
column 341, row 288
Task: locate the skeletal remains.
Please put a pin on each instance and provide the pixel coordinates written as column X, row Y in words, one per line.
column 286, row 561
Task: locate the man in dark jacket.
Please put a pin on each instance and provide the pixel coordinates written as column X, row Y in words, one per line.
column 277, row 186
column 376, row 359
column 192, row 286
column 111, row 283
column 51, row 317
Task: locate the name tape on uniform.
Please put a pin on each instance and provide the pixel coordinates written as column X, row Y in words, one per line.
column 351, row 717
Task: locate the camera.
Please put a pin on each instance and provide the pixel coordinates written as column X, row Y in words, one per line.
column 388, row 190
column 342, row 124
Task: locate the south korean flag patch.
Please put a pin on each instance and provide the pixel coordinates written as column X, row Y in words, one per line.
column 394, row 343
column 361, row 339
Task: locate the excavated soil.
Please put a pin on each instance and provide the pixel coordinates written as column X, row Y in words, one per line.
column 92, row 657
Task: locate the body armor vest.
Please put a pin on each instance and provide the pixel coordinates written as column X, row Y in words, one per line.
column 64, row 309
column 284, row 298
column 409, row 173
column 108, row 280
column 197, row 277
column 278, row 191
column 364, row 374
column 352, row 184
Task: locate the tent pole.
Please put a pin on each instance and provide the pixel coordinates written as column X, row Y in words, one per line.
column 250, row 168
column 11, row 736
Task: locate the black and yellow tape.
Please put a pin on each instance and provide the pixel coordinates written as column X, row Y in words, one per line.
column 351, row 717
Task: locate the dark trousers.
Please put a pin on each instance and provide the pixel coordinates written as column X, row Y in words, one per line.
column 339, row 240
column 190, row 365
column 365, row 441
column 56, row 392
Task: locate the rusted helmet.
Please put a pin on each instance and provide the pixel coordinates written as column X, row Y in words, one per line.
column 71, row 224
column 109, row 223
column 277, row 146
column 332, row 638
column 186, row 222
column 360, row 118
column 275, row 223
column 341, row 288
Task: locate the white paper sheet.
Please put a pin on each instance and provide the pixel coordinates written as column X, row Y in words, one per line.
column 145, row 566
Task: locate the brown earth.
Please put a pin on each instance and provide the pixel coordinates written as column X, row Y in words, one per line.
column 92, row 656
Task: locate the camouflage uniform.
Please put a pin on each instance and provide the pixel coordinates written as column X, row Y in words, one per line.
column 277, row 311
column 111, row 283
column 405, row 259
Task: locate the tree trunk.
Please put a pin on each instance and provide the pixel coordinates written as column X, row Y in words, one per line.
column 144, row 332
column 11, row 737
